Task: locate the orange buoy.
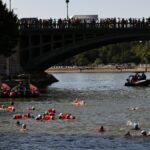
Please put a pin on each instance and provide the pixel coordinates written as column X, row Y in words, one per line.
column 17, row 116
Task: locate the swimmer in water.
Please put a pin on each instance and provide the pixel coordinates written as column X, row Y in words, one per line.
column 30, row 108
column 23, row 128
column 128, row 134
column 144, row 133
column 78, row 102
column 133, row 108
column 18, row 123
column 101, row 129
column 12, row 103
column 136, row 126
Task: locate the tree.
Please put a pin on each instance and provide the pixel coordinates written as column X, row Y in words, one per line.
column 142, row 50
column 9, row 30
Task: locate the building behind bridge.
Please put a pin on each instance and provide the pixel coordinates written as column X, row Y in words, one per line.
column 86, row 18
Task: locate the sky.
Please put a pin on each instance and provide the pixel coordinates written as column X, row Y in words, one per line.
column 103, row 8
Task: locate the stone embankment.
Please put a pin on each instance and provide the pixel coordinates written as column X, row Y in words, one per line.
column 107, row 68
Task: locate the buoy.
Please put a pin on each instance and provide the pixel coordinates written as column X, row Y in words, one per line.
column 17, row 116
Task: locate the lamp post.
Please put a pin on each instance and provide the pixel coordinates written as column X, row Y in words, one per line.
column 9, row 5
column 67, row 2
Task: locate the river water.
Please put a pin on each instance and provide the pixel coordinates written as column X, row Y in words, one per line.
column 107, row 102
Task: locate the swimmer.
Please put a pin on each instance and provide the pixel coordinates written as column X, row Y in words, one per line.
column 133, row 108
column 148, row 134
column 78, row 102
column 128, row 134
column 23, row 128
column 39, row 117
column 144, row 133
column 11, row 103
column 129, row 123
column 18, row 123
column 67, row 116
column 101, row 129
column 31, row 108
column 9, row 109
column 136, row 126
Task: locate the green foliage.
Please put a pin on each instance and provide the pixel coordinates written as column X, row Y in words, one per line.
column 134, row 52
column 142, row 51
column 8, row 30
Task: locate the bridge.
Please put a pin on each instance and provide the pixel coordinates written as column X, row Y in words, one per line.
column 44, row 43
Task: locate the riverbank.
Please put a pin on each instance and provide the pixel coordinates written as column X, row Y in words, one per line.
column 107, row 68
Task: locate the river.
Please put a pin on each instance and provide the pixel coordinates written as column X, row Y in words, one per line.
column 107, row 102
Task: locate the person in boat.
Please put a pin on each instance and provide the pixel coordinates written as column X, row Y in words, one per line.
column 143, row 77
column 136, row 77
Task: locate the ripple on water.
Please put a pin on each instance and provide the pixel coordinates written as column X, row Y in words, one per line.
column 67, row 142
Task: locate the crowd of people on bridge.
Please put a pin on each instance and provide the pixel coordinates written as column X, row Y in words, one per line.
column 108, row 23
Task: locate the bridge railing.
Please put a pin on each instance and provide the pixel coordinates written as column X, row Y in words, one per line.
column 107, row 23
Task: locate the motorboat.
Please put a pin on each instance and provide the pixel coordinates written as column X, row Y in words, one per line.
column 138, row 80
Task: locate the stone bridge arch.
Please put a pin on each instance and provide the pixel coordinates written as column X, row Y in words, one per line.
column 40, row 49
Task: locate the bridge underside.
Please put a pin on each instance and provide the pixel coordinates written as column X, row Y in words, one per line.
column 41, row 49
